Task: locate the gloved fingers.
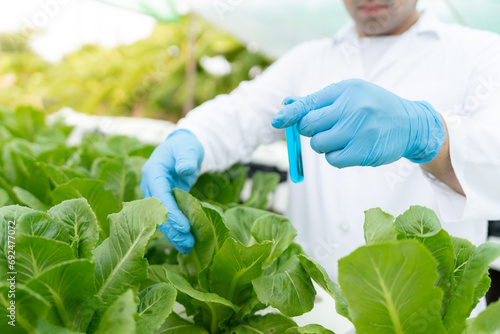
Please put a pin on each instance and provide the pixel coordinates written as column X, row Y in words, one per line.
column 333, row 139
column 187, row 160
column 290, row 99
column 144, row 187
column 182, row 250
column 346, row 157
column 187, row 152
column 183, row 242
column 318, row 120
column 324, row 97
column 184, row 182
column 160, row 188
column 296, row 108
column 290, row 114
column 156, row 164
column 177, row 219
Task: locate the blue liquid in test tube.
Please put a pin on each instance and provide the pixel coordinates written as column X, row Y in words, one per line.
column 294, row 153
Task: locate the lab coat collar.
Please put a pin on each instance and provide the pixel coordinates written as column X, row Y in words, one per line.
column 426, row 24
column 429, row 24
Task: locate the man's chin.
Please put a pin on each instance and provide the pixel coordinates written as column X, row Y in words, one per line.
column 374, row 28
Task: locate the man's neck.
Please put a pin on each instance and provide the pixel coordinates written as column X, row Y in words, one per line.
column 399, row 30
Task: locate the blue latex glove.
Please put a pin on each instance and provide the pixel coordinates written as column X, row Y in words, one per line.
column 356, row 123
column 175, row 163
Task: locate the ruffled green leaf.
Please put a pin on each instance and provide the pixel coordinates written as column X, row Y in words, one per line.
column 120, row 263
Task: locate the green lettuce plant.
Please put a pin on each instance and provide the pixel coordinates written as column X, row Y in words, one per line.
column 38, row 169
column 69, row 279
column 224, row 189
column 89, row 258
column 412, row 277
column 243, row 261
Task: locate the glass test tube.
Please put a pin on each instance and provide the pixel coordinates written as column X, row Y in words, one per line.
column 294, row 153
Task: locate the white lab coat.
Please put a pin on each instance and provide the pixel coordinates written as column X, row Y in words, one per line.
column 454, row 68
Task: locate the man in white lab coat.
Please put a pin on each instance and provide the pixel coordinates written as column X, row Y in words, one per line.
column 418, row 125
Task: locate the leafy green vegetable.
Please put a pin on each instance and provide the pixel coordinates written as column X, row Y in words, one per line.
column 375, row 280
column 88, row 184
column 177, row 325
column 224, row 189
column 309, row 329
column 246, row 251
column 438, row 242
column 156, row 304
column 57, row 174
column 418, row 222
column 238, row 265
column 480, row 291
column 58, row 293
column 277, row 229
column 85, row 266
column 221, row 188
column 204, row 232
column 214, row 309
column 4, row 197
column 38, row 168
column 379, row 227
column 262, row 185
column 119, row 176
column 441, row 248
column 459, row 307
column 488, row 322
column 120, row 263
column 102, row 201
column 84, row 231
column 269, row 323
column 290, row 290
column 319, row 275
column 40, row 224
column 20, row 169
column 412, row 277
column 29, row 199
column 29, row 308
column 43, row 327
column 240, row 221
column 69, row 288
column 120, row 316
column 13, row 213
column 119, row 145
column 218, row 223
column 463, row 250
column 37, row 255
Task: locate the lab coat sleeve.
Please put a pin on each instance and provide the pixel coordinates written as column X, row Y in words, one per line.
column 474, row 134
column 230, row 127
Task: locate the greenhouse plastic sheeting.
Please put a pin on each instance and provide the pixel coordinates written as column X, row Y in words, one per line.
column 162, row 10
column 276, row 26
column 273, row 27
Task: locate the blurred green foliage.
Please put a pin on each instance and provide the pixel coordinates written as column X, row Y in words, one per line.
column 146, row 78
